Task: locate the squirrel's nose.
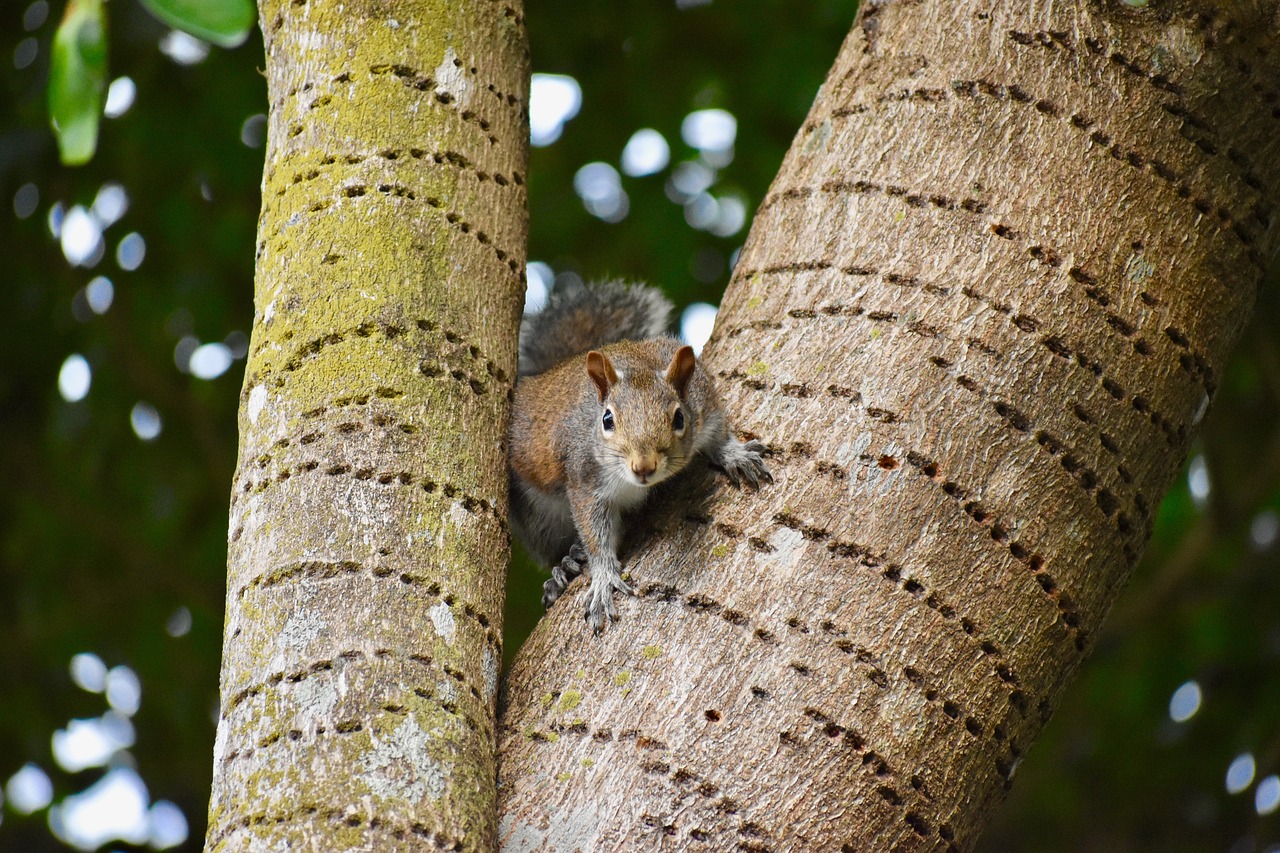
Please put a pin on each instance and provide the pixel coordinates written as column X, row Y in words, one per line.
column 643, row 468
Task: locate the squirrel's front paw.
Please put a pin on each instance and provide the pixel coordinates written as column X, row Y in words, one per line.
column 745, row 462
column 599, row 608
column 563, row 574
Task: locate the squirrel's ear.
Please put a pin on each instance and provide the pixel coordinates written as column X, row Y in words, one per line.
column 601, row 373
column 682, row 364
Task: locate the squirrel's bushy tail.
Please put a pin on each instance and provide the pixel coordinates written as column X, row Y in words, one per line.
column 580, row 317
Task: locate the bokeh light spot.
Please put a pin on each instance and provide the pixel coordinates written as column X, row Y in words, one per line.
column 696, row 324
column 120, row 96
column 553, row 100
column 253, row 132
column 1267, row 798
column 91, row 743
column 89, row 672
column 731, row 216
column 1264, row 529
column 645, row 153
column 29, row 789
column 109, row 204
column 56, row 214
column 35, row 15
column 74, row 378
column 25, row 53
column 1198, row 481
column 131, row 251
column 540, row 277
column 179, row 623
column 238, row 342
column 1185, row 702
column 145, row 421
column 81, row 237
column 600, row 187
column 688, row 180
column 182, row 48
column 168, row 826
column 26, row 200
column 124, row 690
column 99, row 293
column 1240, row 773
column 114, row 807
column 709, row 130
column 209, row 361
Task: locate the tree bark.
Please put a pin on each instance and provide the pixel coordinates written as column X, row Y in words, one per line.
column 978, row 318
column 368, row 518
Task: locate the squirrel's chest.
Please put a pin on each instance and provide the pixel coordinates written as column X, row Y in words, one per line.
column 621, row 494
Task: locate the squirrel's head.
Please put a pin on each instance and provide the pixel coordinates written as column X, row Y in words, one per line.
column 643, row 418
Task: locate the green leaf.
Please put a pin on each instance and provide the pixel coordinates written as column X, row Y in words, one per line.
column 77, row 77
column 226, row 23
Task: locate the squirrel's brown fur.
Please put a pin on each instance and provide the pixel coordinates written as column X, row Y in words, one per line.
column 591, row 433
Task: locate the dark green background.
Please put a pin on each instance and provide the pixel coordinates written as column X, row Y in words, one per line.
column 102, row 536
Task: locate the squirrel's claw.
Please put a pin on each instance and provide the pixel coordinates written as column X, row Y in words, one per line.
column 745, row 462
column 563, row 574
column 599, row 607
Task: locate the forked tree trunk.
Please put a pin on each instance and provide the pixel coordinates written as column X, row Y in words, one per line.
column 368, row 518
column 978, row 319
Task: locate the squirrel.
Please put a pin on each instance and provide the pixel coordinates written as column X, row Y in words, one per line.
column 606, row 406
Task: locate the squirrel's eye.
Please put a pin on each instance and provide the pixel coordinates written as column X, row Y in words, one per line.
column 677, row 420
column 607, row 420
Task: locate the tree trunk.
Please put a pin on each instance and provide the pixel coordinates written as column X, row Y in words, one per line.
column 978, row 319
column 368, row 517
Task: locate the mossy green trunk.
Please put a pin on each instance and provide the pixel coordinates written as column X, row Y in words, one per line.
column 368, row 525
column 978, row 319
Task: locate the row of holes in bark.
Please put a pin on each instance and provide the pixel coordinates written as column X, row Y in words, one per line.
column 910, row 197
column 345, row 658
column 1054, row 40
column 417, row 80
column 998, row 531
column 452, row 218
column 1174, row 436
column 684, row 777
column 1001, row 534
column 340, row 817
column 690, row 780
column 390, row 331
column 1060, row 39
column 404, row 478
column 479, row 507
column 895, row 575
column 1012, row 93
column 1189, row 361
column 802, row 390
column 319, row 570
column 445, row 158
column 1194, row 365
column 1105, row 500
column 892, row 796
column 831, row 631
column 1084, row 476
column 1140, row 161
column 832, row 730
column 302, row 353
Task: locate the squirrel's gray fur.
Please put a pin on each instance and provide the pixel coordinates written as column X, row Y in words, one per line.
column 601, row 314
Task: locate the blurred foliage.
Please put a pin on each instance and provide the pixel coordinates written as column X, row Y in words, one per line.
column 77, row 77
column 104, row 537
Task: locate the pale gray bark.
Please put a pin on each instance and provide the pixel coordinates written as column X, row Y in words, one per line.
column 977, row 320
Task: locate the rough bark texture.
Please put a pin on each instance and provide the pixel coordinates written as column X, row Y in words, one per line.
column 368, row 517
column 977, row 320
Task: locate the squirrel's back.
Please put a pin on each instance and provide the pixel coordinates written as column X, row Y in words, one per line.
column 579, row 317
